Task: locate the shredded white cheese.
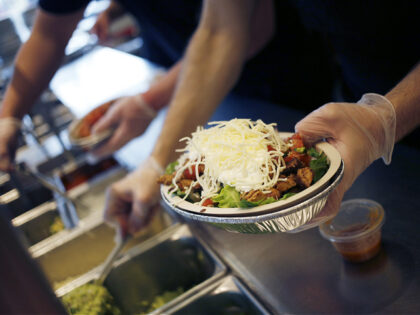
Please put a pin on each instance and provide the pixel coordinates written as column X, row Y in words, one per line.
column 241, row 153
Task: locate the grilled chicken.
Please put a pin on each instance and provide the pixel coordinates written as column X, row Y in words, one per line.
column 166, row 179
column 305, row 176
column 257, row 195
column 290, row 182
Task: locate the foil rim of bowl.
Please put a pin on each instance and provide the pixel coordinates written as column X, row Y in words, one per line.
column 89, row 141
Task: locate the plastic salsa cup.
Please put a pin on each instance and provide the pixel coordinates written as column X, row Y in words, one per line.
column 355, row 231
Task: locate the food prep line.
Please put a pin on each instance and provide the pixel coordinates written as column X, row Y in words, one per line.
column 302, row 273
column 172, row 273
column 175, row 267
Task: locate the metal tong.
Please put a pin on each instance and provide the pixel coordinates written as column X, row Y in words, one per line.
column 66, row 207
column 121, row 240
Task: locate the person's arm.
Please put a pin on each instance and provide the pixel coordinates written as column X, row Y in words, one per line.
column 35, row 64
column 160, row 93
column 211, row 66
column 37, row 60
column 104, row 20
column 131, row 115
column 405, row 97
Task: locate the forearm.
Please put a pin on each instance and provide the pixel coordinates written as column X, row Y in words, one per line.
column 114, row 10
column 160, row 93
column 405, row 97
column 36, row 62
column 261, row 31
column 211, row 66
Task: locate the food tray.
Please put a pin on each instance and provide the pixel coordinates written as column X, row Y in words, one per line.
column 292, row 219
column 69, row 255
column 170, row 260
column 89, row 200
column 34, row 225
column 226, row 296
column 333, row 157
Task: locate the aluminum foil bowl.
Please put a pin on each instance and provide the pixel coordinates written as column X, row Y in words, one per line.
column 92, row 140
column 296, row 218
column 89, row 142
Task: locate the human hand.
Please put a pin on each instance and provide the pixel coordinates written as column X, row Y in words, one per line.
column 101, row 26
column 129, row 116
column 131, row 201
column 9, row 128
column 361, row 132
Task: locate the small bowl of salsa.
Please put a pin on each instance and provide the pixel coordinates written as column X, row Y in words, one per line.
column 355, row 232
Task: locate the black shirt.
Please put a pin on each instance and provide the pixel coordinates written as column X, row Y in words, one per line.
column 371, row 44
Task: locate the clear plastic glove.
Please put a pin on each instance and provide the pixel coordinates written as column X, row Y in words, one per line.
column 361, row 132
column 9, row 128
column 131, row 201
column 129, row 116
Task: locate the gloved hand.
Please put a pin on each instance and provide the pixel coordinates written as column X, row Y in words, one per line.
column 9, row 128
column 361, row 132
column 131, row 201
column 130, row 116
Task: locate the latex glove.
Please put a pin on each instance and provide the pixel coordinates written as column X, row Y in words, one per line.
column 129, row 116
column 9, row 128
column 131, row 201
column 361, row 132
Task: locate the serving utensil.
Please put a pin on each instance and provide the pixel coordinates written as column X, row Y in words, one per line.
column 65, row 206
column 121, row 240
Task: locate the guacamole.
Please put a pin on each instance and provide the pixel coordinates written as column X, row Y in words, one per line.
column 90, row 299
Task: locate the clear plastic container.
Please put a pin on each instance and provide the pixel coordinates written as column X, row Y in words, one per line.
column 355, row 231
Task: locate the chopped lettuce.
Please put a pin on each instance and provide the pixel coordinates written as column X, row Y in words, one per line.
column 171, row 167
column 287, row 195
column 180, row 193
column 319, row 164
column 228, row 197
column 250, row 204
column 313, row 152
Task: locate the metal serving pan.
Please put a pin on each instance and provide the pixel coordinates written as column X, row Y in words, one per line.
column 89, row 197
column 71, row 254
column 34, row 225
column 18, row 201
column 226, row 296
column 174, row 259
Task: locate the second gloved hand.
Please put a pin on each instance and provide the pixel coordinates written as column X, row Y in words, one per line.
column 129, row 116
column 131, row 201
column 361, row 132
